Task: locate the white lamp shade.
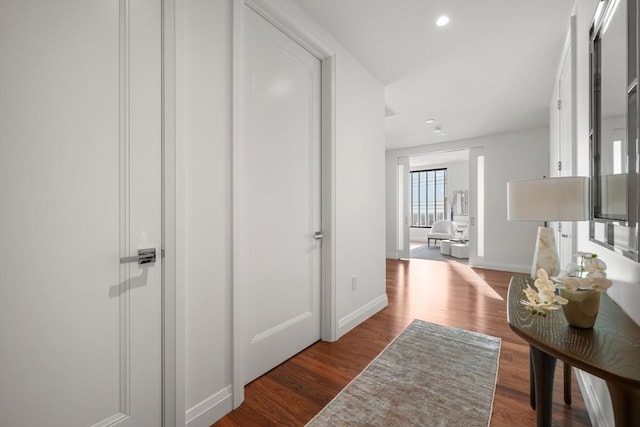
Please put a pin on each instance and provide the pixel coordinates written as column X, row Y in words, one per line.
column 548, row 199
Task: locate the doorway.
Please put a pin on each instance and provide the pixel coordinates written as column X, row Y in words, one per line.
column 435, row 188
column 562, row 139
column 318, row 237
column 81, row 187
column 278, row 196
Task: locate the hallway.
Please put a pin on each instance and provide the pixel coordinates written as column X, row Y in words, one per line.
column 446, row 293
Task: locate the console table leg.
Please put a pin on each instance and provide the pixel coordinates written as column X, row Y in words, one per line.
column 544, row 367
column 626, row 404
column 532, row 383
column 567, row 383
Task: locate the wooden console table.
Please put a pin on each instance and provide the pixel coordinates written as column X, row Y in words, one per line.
column 611, row 351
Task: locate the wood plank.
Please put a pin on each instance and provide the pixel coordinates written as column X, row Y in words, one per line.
column 447, row 293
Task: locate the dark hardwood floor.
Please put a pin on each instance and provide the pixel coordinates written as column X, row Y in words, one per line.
column 446, row 293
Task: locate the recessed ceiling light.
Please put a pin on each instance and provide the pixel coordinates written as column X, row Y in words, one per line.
column 430, row 121
column 437, row 130
column 442, row 21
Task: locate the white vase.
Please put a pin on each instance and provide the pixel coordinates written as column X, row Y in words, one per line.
column 582, row 309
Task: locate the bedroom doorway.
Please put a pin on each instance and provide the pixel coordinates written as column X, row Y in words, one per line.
column 437, row 193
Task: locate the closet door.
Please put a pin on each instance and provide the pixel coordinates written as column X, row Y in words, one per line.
column 562, row 135
column 80, row 189
column 278, row 197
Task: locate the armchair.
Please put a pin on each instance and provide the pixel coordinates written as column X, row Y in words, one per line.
column 441, row 230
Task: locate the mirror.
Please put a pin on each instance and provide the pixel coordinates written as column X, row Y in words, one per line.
column 611, row 182
column 460, row 202
column 613, row 124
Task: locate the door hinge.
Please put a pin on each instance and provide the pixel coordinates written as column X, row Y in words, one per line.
column 559, row 166
column 559, row 104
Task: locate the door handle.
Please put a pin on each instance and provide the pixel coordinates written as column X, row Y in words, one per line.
column 145, row 256
column 564, row 235
column 318, row 235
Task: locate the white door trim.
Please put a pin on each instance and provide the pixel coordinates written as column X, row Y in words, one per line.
column 477, row 219
column 173, row 329
column 302, row 36
column 403, row 195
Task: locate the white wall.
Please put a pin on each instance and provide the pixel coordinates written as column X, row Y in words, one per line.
column 519, row 155
column 624, row 272
column 360, row 197
column 204, row 138
column 204, row 81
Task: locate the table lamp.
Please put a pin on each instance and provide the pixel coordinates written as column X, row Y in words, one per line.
column 548, row 199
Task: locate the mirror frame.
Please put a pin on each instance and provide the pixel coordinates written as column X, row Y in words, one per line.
column 619, row 235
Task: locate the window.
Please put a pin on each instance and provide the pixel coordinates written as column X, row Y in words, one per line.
column 428, row 189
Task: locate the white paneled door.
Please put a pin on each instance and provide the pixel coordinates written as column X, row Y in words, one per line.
column 80, row 188
column 277, row 193
column 565, row 229
column 562, row 141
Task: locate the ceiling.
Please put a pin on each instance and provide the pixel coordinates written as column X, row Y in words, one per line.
column 490, row 70
column 439, row 158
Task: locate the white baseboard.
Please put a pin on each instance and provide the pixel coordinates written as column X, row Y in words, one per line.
column 211, row 409
column 358, row 316
column 593, row 402
column 516, row 268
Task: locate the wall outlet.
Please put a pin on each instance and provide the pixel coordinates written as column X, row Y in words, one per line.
column 354, row 283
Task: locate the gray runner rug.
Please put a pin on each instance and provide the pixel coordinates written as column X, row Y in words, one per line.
column 430, row 375
column 433, row 253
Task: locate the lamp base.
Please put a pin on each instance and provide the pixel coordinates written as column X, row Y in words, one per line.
column 546, row 254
